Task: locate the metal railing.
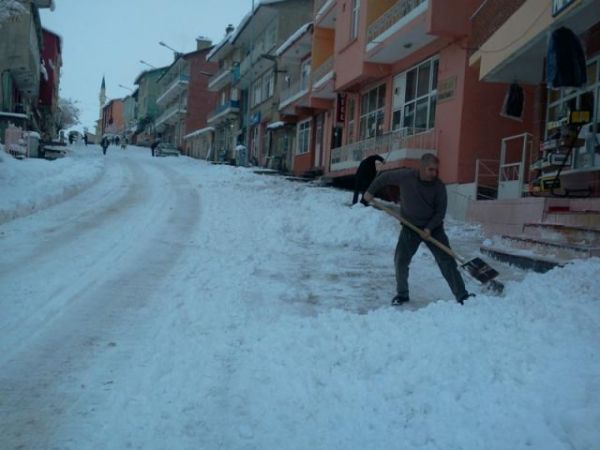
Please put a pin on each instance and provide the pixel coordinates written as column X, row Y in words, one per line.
column 180, row 80
column 171, row 112
column 404, row 138
column 231, row 104
column 486, row 178
column 294, row 89
column 401, row 9
column 219, row 76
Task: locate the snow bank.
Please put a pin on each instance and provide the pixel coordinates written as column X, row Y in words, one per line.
column 32, row 184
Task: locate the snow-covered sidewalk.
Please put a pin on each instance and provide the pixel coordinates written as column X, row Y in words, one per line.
column 270, row 328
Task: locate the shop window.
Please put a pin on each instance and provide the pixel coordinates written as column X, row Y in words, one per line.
column 563, row 100
column 372, row 112
column 415, row 97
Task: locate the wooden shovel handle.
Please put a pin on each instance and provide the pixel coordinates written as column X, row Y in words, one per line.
column 416, row 229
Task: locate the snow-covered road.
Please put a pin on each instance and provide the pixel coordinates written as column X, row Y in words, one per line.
column 79, row 273
column 177, row 305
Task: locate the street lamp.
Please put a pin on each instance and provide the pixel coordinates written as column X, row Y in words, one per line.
column 125, row 87
column 177, row 53
column 149, row 65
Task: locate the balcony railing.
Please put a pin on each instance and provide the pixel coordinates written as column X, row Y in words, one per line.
column 220, row 78
column 322, row 70
column 171, row 114
column 177, row 86
column 393, row 15
column 293, row 92
column 229, row 106
column 351, row 155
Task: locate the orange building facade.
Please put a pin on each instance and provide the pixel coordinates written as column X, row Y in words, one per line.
column 403, row 77
column 112, row 118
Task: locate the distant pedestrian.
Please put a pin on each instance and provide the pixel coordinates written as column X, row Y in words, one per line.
column 154, row 145
column 104, row 144
column 365, row 174
column 85, row 139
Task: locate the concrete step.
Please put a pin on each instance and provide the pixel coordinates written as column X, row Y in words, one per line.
column 562, row 233
column 520, row 258
column 536, row 254
column 554, row 248
column 584, row 219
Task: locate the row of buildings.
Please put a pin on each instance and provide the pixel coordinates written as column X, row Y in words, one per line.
column 313, row 87
column 170, row 102
column 30, row 64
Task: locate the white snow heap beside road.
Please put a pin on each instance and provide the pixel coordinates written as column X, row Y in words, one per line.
column 273, row 329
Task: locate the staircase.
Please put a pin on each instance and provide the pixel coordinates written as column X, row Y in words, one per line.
column 562, row 236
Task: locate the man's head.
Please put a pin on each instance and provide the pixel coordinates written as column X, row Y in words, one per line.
column 428, row 170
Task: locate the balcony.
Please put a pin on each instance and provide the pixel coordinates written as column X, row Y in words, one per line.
column 390, row 38
column 294, row 92
column 171, row 115
column 398, row 145
column 322, row 80
column 177, row 86
column 222, row 111
column 220, row 79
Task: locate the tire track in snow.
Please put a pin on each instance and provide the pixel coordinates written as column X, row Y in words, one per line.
column 40, row 386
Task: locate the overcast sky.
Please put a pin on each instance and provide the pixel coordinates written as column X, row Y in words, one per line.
column 109, row 37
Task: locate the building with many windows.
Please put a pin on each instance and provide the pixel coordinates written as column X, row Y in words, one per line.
column 224, row 121
column 258, row 75
column 184, row 100
column 147, row 109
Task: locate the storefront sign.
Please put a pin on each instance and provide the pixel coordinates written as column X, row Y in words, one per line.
column 340, row 115
column 446, row 89
column 559, row 5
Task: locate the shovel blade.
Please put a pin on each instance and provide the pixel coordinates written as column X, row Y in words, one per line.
column 480, row 270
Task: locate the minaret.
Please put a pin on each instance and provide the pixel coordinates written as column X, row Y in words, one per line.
column 102, row 98
column 102, row 93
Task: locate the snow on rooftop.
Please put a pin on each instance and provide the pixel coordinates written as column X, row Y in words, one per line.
column 293, row 38
column 248, row 16
column 219, row 46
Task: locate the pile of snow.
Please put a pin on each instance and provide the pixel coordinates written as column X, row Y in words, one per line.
column 31, row 184
column 275, row 331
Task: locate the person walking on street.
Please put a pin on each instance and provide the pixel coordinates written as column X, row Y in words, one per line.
column 365, row 174
column 154, row 145
column 104, row 144
column 85, row 139
column 423, row 202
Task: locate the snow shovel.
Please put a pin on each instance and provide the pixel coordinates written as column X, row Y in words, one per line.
column 477, row 268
